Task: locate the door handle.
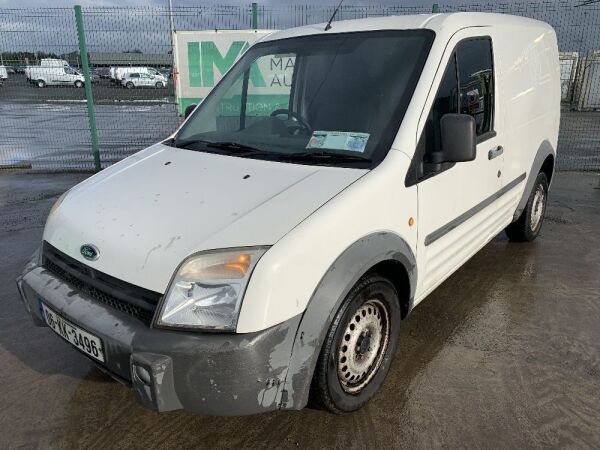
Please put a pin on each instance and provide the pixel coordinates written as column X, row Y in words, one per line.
column 495, row 152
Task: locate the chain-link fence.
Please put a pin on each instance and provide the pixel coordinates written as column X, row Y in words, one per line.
column 47, row 123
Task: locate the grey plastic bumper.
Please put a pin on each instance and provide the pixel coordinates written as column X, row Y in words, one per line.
column 208, row 373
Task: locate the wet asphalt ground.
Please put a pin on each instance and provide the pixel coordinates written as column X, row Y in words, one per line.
column 505, row 354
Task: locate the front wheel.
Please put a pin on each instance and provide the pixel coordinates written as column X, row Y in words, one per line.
column 129, row 85
column 41, row 83
column 159, row 85
column 527, row 227
column 359, row 347
column 79, row 84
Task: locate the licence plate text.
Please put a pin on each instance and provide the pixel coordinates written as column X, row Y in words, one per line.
column 84, row 341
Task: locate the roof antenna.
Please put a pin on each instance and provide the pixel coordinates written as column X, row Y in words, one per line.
column 328, row 26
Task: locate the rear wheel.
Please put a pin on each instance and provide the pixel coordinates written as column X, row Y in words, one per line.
column 129, row 85
column 159, row 85
column 40, row 83
column 79, row 84
column 359, row 347
column 527, row 227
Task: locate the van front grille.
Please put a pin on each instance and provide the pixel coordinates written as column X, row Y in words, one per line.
column 130, row 299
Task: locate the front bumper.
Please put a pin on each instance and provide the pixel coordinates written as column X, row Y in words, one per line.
column 207, row 373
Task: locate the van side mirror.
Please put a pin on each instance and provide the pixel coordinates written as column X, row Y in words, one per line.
column 459, row 137
column 189, row 110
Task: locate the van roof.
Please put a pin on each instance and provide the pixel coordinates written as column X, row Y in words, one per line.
column 448, row 23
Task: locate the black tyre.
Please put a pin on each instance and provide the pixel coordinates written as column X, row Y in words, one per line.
column 79, row 84
column 527, row 227
column 129, row 85
column 40, row 83
column 359, row 347
column 158, row 85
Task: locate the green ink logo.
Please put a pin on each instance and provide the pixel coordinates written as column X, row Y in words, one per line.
column 204, row 57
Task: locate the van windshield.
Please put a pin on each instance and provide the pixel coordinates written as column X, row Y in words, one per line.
column 336, row 100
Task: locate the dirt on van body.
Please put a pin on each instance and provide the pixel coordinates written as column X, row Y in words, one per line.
column 506, row 353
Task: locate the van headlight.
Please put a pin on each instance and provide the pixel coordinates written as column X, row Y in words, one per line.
column 207, row 290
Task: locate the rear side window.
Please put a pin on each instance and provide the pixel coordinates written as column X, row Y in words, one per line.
column 476, row 77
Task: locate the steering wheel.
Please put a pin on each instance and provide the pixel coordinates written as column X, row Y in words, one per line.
column 298, row 118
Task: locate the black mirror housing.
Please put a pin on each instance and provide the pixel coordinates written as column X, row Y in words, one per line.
column 459, row 137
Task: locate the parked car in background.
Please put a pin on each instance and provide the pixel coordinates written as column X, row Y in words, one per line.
column 137, row 80
column 55, row 76
column 121, row 72
column 268, row 251
column 3, row 73
column 10, row 70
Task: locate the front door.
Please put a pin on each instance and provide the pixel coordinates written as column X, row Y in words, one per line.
column 457, row 202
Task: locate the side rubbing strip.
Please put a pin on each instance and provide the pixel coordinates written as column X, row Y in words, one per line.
column 430, row 238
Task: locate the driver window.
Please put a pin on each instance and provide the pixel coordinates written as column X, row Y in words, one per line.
column 446, row 102
column 466, row 88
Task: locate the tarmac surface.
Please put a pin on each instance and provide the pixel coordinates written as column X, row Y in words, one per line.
column 504, row 354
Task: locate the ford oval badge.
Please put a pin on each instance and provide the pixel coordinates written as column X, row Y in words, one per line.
column 90, row 252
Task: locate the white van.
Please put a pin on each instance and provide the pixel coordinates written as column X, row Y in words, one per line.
column 268, row 251
column 3, row 73
column 121, row 72
column 53, row 62
column 55, row 76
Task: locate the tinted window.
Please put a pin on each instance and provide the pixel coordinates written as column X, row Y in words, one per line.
column 446, row 102
column 476, row 81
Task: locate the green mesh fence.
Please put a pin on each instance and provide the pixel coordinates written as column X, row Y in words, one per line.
column 44, row 114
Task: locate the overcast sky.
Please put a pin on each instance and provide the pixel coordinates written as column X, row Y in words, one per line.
column 577, row 28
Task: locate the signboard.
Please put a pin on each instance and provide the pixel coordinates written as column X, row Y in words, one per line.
column 203, row 57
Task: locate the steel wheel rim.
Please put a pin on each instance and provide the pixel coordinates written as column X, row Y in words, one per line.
column 363, row 346
column 537, row 210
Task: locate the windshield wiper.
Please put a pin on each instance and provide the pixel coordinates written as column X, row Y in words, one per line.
column 232, row 147
column 325, row 157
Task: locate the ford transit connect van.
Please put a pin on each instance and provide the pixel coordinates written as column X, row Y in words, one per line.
column 267, row 253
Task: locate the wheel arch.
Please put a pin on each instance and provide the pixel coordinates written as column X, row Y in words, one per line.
column 548, row 167
column 397, row 274
column 542, row 162
column 384, row 253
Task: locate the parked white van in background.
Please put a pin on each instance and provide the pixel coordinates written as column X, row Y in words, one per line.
column 3, row 73
column 55, row 76
column 52, row 62
column 268, row 251
column 121, row 72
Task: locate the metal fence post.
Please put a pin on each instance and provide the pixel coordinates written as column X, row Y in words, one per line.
column 435, row 8
column 88, row 87
column 254, row 16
